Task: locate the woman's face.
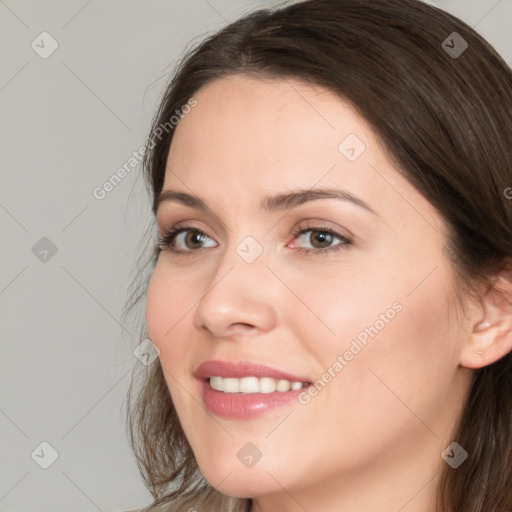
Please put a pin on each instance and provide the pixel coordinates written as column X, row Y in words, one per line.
column 319, row 264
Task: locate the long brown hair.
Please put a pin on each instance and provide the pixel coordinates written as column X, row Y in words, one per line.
column 445, row 118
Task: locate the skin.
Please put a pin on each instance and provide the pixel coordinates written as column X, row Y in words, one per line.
column 372, row 438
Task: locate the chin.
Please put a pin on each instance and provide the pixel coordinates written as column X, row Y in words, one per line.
column 226, row 473
column 247, row 483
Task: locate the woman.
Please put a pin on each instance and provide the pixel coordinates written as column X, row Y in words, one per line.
column 331, row 293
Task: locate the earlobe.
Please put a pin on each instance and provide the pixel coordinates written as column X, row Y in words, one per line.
column 491, row 336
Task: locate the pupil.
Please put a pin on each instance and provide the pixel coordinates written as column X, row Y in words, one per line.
column 194, row 238
column 322, row 237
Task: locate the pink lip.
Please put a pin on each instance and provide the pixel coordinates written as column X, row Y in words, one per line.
column 239, row 405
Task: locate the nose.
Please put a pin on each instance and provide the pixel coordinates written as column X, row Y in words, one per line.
column 239, row 299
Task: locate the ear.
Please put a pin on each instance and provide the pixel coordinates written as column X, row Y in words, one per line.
column 491, row 335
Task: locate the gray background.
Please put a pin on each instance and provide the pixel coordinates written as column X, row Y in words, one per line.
column 68, row 122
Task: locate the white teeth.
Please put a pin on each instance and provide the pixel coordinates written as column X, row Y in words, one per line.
column 283, row 385
column 216, row 383
column 267, row 385
column 248, row 385
column 253, row 385
column 231, row 385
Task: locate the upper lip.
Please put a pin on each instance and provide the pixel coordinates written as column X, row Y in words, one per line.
column 239, row 369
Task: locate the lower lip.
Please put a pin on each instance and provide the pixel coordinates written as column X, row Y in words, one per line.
column 244, row 406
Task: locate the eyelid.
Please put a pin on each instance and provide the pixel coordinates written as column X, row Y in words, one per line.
column 167, row 217
column 176, row 230
column 320, row 224
column 345, row 240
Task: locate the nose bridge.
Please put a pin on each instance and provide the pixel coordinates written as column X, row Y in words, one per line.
column 237, row 293
column 244, row 261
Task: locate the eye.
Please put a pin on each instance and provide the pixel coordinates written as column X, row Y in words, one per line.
column 320, row 239
column 184, row 239
column 188, row 239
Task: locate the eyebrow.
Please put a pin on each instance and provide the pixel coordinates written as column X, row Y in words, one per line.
column 278, row 202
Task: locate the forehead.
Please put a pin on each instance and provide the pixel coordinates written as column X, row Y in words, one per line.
column 247, row 138
column 243, row 125
column 276, row 112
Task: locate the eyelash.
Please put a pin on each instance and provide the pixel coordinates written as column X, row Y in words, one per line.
column 321, row 229
column 167, row 239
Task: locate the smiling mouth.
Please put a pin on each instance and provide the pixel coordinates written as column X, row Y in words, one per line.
column 252, row 384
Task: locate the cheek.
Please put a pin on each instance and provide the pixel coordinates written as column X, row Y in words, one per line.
column 163, row 309
column 169, row 306
column 340, row 305
column 394, row 348
column 158, row 308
